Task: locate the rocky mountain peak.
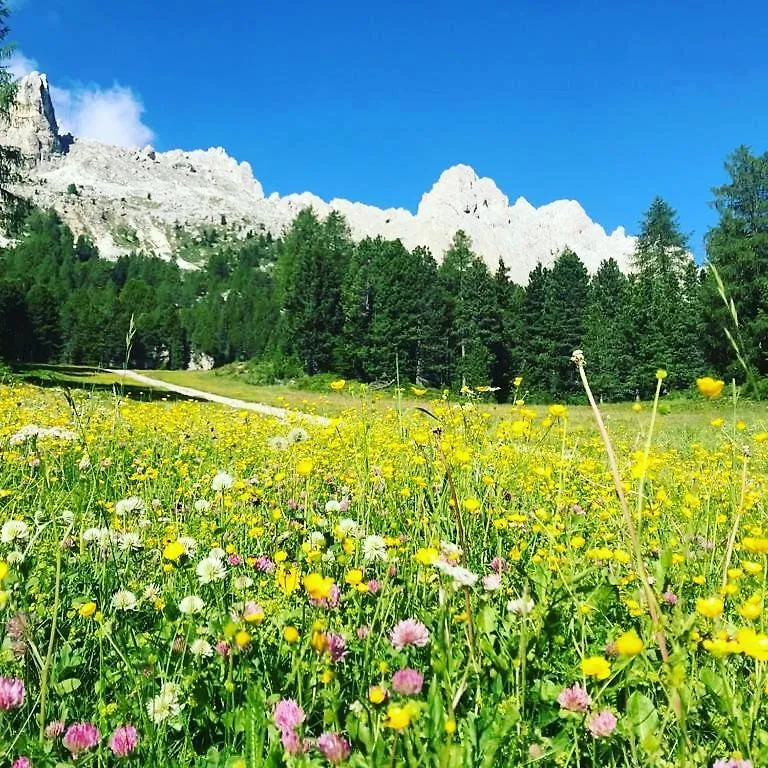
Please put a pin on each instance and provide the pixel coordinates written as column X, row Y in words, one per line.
column 129, row 199
column 31, row 123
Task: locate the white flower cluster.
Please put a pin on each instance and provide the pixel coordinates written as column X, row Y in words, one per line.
column 166, row 705
column 33, row 431
column 14, row 530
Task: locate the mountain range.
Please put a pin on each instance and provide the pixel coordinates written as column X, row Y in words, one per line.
column 129, row 199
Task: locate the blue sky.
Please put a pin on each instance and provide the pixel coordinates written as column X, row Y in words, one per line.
column 609, row 103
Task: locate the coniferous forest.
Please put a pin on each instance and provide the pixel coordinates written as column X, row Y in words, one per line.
column 314, row 301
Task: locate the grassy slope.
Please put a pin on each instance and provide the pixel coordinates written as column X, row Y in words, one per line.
column 687, row 421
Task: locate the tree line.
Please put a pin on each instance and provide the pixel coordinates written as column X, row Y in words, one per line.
column 314, row 301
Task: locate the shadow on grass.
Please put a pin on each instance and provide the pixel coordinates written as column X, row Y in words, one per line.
column 85, row 378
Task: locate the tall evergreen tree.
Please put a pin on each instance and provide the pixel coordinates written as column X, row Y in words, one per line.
column 606, row 333
column 11, row 207
column 565, row 305
column 738, row 247
column 660, row 315
column 533, row 349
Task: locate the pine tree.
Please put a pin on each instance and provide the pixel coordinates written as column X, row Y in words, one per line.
column 660, row 315
column 12, row 208
column 533, row 348
column 565, row 305
column 738, row 247
column 606, row 333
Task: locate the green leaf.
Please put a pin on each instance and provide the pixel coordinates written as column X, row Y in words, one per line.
column 67, row 686
column 644, row 718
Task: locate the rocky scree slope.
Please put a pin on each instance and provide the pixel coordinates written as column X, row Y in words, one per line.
column 128, row 199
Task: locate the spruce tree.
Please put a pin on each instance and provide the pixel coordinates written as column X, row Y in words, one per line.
column 565, row 305
column 606, row 333
column 11, row 207
column 738, row 247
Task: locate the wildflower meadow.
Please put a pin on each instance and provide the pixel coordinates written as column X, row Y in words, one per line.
column 446, row 584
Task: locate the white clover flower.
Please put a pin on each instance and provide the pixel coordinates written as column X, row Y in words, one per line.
column 462, row 577
column 189, row 544
column 297, row 435
column 350, row 528
column 85, row 462
column 15, row 557
column 129, row 541
column 332, row 505
column 328, row 556
column 151, row 593
column 278, row 443
column 222, row 482
column 316, row 540
column 210, row 569
column 124, row 600
column 191, row 605
column 67, row 516
column 201, row 648
column 14, row 530
column 166, row 705
column 131, row 505
column 100, row 536
column 374, row 548
column 202, row 505
column 242, row 582
column 218, row 553
column 521, row 606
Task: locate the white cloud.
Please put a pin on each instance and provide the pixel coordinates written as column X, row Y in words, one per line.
column 110, row 115
column 20, row 65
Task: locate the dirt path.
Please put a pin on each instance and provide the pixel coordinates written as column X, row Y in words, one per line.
column 199, row 394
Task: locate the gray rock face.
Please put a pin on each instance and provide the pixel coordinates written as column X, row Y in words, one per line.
column 31, row 123
column 140, row 198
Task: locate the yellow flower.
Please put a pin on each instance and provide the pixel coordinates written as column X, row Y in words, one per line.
column 577, row 542
column 398, row 718
column 710, row 387
column 629, row 644
column 243, row 639
column 517, row 381
column 450, row 723
column 326, row 677
column 558, row 411
column 637, row 407
column 711, row 607
column 418, row 392
column 338, row 385
column 87, row 609
column 291, row 635
column 717, row 423
column 318, row 587
column 661, row 374
column 354, row 577
column 756, row 544
column 761, row 437
column 304, row 467
column 426, row 555
column 377, row 694
column 471, row 505
column 174, row 551
column 750, row 611
column 287, row 580
column 596, row 666
column 753, row 644
column 3, row 570
column 752, row 567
